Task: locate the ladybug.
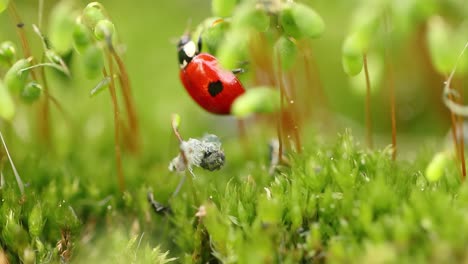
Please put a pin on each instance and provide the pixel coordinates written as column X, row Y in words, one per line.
column 212, row 87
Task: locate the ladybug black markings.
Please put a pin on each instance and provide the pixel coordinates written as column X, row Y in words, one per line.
column 214, row 88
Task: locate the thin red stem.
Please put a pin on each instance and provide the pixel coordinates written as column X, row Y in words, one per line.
column 368, row 104
column 118, row 153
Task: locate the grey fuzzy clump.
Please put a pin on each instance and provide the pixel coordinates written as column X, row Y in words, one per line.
column 205, row 153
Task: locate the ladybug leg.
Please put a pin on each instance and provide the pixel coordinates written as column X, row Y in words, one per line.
column 238, row 71
column 199, row 43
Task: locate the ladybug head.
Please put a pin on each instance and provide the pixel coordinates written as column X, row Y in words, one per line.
column 186, row 50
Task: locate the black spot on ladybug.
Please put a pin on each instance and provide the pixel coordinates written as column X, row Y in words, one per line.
column 214, row 88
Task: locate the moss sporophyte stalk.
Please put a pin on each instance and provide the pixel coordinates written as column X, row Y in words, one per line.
column 260, row 164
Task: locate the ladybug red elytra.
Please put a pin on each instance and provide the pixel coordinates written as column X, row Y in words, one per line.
column 212, row 87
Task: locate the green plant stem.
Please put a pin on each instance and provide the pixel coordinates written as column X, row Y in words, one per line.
column 19, row 25
column 44, row 114
column 118, row 153
column 462, row 135
column 368, row 104
column 188, row 172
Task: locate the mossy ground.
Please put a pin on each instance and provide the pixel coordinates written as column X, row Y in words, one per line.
column 334, row 203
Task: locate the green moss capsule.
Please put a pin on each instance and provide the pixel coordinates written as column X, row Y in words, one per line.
column 352, row 65
column 92, row 14
column 353, row 49
column 287, row 52
column 61, row 25
column 299, row 20
column 213, row 35
column 15, row 79
column 256, row 100
column 104, row 29
column 7, row 53
column 31, row 92
column 3, row 5
column 223, row 8
column 436, row 167
column 233, row 50
column 93, row 61
column 247, row 16
column 7, row 106
column 82, row 37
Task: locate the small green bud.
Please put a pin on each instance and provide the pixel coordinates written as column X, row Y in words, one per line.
column 299, row 20
column 31, row 92
column 36, row 221
column 29, row 256
column 352, row 65
column 269, row 210
column 176, row 121
column 288, row 23
column 3, row 5
column 353, row 49
column 287, row 51
column 93, row 61
column 223, row 8
column 7, row 106
column 15, row 79
column 92, row 14
column 82, row 38
column 13, row 234
column 247, row 16
column 7, row 53
column 61, row 26
column 215, row 222
column 436, row 167
column 65, row 217
column 104, row 30
column 233, row 49
column 256, row 100
column 214, row 34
